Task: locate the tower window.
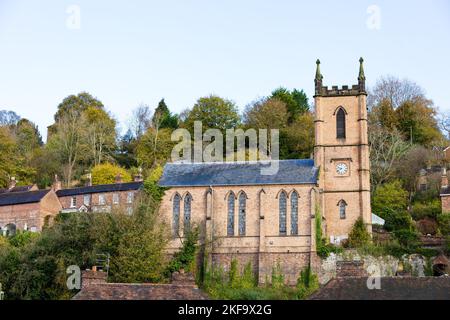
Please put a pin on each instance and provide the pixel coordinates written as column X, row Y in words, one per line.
column 230, row 220
column 282, row 222
column 342, row 206
column 340, row 124
column 242, row 206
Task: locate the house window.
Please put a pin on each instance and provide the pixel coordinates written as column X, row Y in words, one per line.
column 115, row 198
column 294, row 213
column 340, row 124
column 282, row 204
column 33, row 229
column 129, row 211
column 187, row 213
column 230, row 220
column 242, row 207
column 87, row 200
column 101, row 199
column 130, row 197
column 73, row 202
column 342, row 205
column 176, row 214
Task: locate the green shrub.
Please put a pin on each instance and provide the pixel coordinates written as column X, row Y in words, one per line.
column 359, row 236
column 444, row 223
column 430, row 209
column 185, row 258
column 389, row 196
column 407, row 238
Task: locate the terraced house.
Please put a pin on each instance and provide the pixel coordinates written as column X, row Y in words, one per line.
column 270, row 219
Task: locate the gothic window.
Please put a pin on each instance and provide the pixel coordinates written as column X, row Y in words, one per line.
column 242, row 207
column 342, row 205
column 340, row 124
column 230, row 220
column 294, row 213
column 187, row 213
column 282, row 202
column 176, row 214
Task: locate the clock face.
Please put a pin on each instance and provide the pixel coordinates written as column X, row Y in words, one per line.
column 341, row 168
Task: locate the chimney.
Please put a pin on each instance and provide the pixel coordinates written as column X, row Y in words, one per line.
column 118, row 178
column 444, row 178
column 56, row 184
column 89, row 180
column 12, row 183
column 138, row 177
column 92, row 277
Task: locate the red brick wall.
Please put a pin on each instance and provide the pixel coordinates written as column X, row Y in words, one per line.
column 66, row 201
column 445, row 200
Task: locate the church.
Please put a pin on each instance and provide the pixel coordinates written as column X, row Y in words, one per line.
column 270, row 220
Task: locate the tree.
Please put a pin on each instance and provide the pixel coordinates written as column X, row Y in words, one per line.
column 140, row 120
column 106, row 173
column 296, row 101
column 383, row 115
column 125, row 155
column 214, row 112
column 417, row 121
column 27, row 137
column 77, row 104
column 8, row 118
column 100, row 134
column 67, row 142
column 266, row 114
column 154, row 147
column 389, row 196
column 387, row 149
column 7, row 157
column 163, row 118
column 394, row 91
column 297, row 140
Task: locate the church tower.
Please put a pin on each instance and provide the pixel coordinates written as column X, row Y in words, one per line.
column 341, row 152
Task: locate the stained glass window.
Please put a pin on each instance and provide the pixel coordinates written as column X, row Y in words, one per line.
column 230, row 220
column 282, row 224
column 294, row 213
column 176, row 214
column 242, row 208
column 187, row 213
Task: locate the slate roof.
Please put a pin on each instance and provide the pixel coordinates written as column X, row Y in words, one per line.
column 17, row 189
column 123, row 291
column 11, row 198
column 391, row 288
column 237, row 173
column 114, row 187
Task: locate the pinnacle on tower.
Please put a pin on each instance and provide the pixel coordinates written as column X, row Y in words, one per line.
column 318, row 78
column 361, row 76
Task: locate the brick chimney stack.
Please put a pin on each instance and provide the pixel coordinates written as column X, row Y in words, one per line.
column 444, row 178
column 56, row 184
column 118, row 178
column 89, row 180
column 138, row 177
column 12, row 183
column 91, row 277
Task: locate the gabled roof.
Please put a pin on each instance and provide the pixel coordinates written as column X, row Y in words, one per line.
column 101, row 188
column 19, row 189
column 238, row 173
column 145, row 291
column 12, row 198
column 392, row 288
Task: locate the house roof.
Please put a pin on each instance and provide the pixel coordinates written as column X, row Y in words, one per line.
column 238, row 173
column 114, row 187
column 123, row 291
column 18, row 189
column 391, row 288
column 12, row 198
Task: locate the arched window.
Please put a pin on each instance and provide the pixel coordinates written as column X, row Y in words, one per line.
column 340, row 124
column 176, row 214
column 230, row 219
column 342, row 205
column 294, row 213
column 187, row 213
column 242, row 208
column 282, row 203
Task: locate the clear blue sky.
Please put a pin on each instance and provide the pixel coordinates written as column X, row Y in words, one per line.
column 128, row 52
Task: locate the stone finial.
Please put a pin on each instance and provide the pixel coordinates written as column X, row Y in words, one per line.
column 318, row 79
column 361, row 76
column 12, row 183
column 89, row 180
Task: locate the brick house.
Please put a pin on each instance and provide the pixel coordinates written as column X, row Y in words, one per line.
column 27, row 210
column 99, row 198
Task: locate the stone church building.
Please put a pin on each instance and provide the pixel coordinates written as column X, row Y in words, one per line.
column 270, row 219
